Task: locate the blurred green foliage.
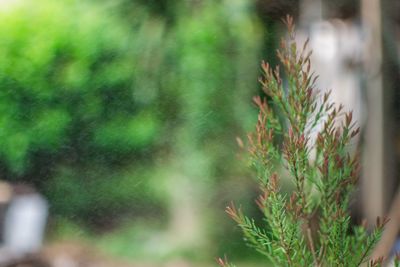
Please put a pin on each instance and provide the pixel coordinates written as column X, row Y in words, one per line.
column 77, row 100
column 102, row 102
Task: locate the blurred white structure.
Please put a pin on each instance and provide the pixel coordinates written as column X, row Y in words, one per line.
column 25, row 223
column 24, row 218
column 337, row 47
column 337, row 54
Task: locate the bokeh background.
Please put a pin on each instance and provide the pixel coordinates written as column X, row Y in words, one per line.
column 124, row 115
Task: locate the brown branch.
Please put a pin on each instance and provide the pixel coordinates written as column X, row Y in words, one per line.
column 311, row 243
column 386, row 243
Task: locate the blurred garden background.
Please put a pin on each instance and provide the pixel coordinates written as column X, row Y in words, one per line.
column 124, row 115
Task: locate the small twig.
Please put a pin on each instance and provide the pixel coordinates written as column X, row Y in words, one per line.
column 311, row 242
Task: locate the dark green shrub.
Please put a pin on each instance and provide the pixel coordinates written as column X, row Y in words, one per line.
column 78, row 91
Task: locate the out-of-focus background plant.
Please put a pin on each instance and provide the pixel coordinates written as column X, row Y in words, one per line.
column 124, row 115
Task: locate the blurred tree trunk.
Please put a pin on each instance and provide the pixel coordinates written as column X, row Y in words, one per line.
column 378, row 157
column 217, row 67
column 390, row 73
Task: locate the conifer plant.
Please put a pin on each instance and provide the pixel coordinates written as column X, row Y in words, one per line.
column 301, row 131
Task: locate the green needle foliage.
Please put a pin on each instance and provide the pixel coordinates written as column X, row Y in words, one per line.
column 311, row 226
